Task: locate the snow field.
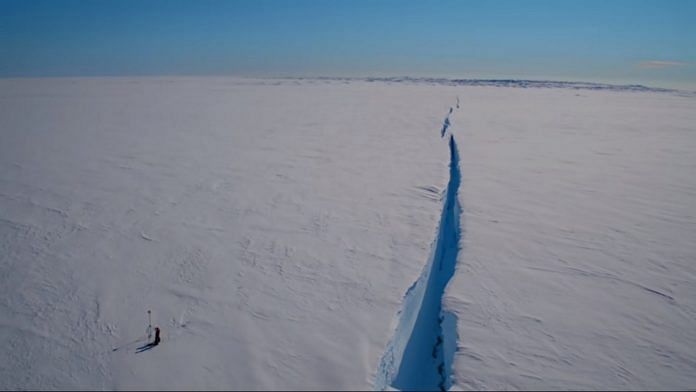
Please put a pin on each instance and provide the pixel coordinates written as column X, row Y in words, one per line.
column 274, row 228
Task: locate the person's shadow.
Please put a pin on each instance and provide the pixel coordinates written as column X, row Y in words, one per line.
column 146, row 347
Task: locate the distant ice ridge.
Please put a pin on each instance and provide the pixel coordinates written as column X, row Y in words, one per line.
column 516, row 83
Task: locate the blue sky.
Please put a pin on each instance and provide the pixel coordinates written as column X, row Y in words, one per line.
column 620, row 41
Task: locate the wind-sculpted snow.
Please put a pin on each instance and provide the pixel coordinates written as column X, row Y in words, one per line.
column 577, row 269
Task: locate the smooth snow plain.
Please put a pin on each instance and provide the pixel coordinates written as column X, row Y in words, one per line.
column 276, row 229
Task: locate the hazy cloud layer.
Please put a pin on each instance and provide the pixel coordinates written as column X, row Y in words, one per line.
column 658, row 64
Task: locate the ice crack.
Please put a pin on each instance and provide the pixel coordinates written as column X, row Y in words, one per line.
column 419, row 355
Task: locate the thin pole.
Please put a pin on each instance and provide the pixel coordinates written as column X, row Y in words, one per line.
column 149, row 324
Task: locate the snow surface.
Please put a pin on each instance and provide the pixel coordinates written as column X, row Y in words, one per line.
column 274, row 228
column 578, row 260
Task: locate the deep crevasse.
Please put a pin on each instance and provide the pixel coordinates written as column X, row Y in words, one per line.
column 420, row 353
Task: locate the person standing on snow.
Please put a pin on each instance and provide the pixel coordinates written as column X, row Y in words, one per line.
column 150, row 345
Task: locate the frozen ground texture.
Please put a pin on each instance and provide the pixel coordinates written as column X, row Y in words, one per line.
column 274, row 227
column 578, row 260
